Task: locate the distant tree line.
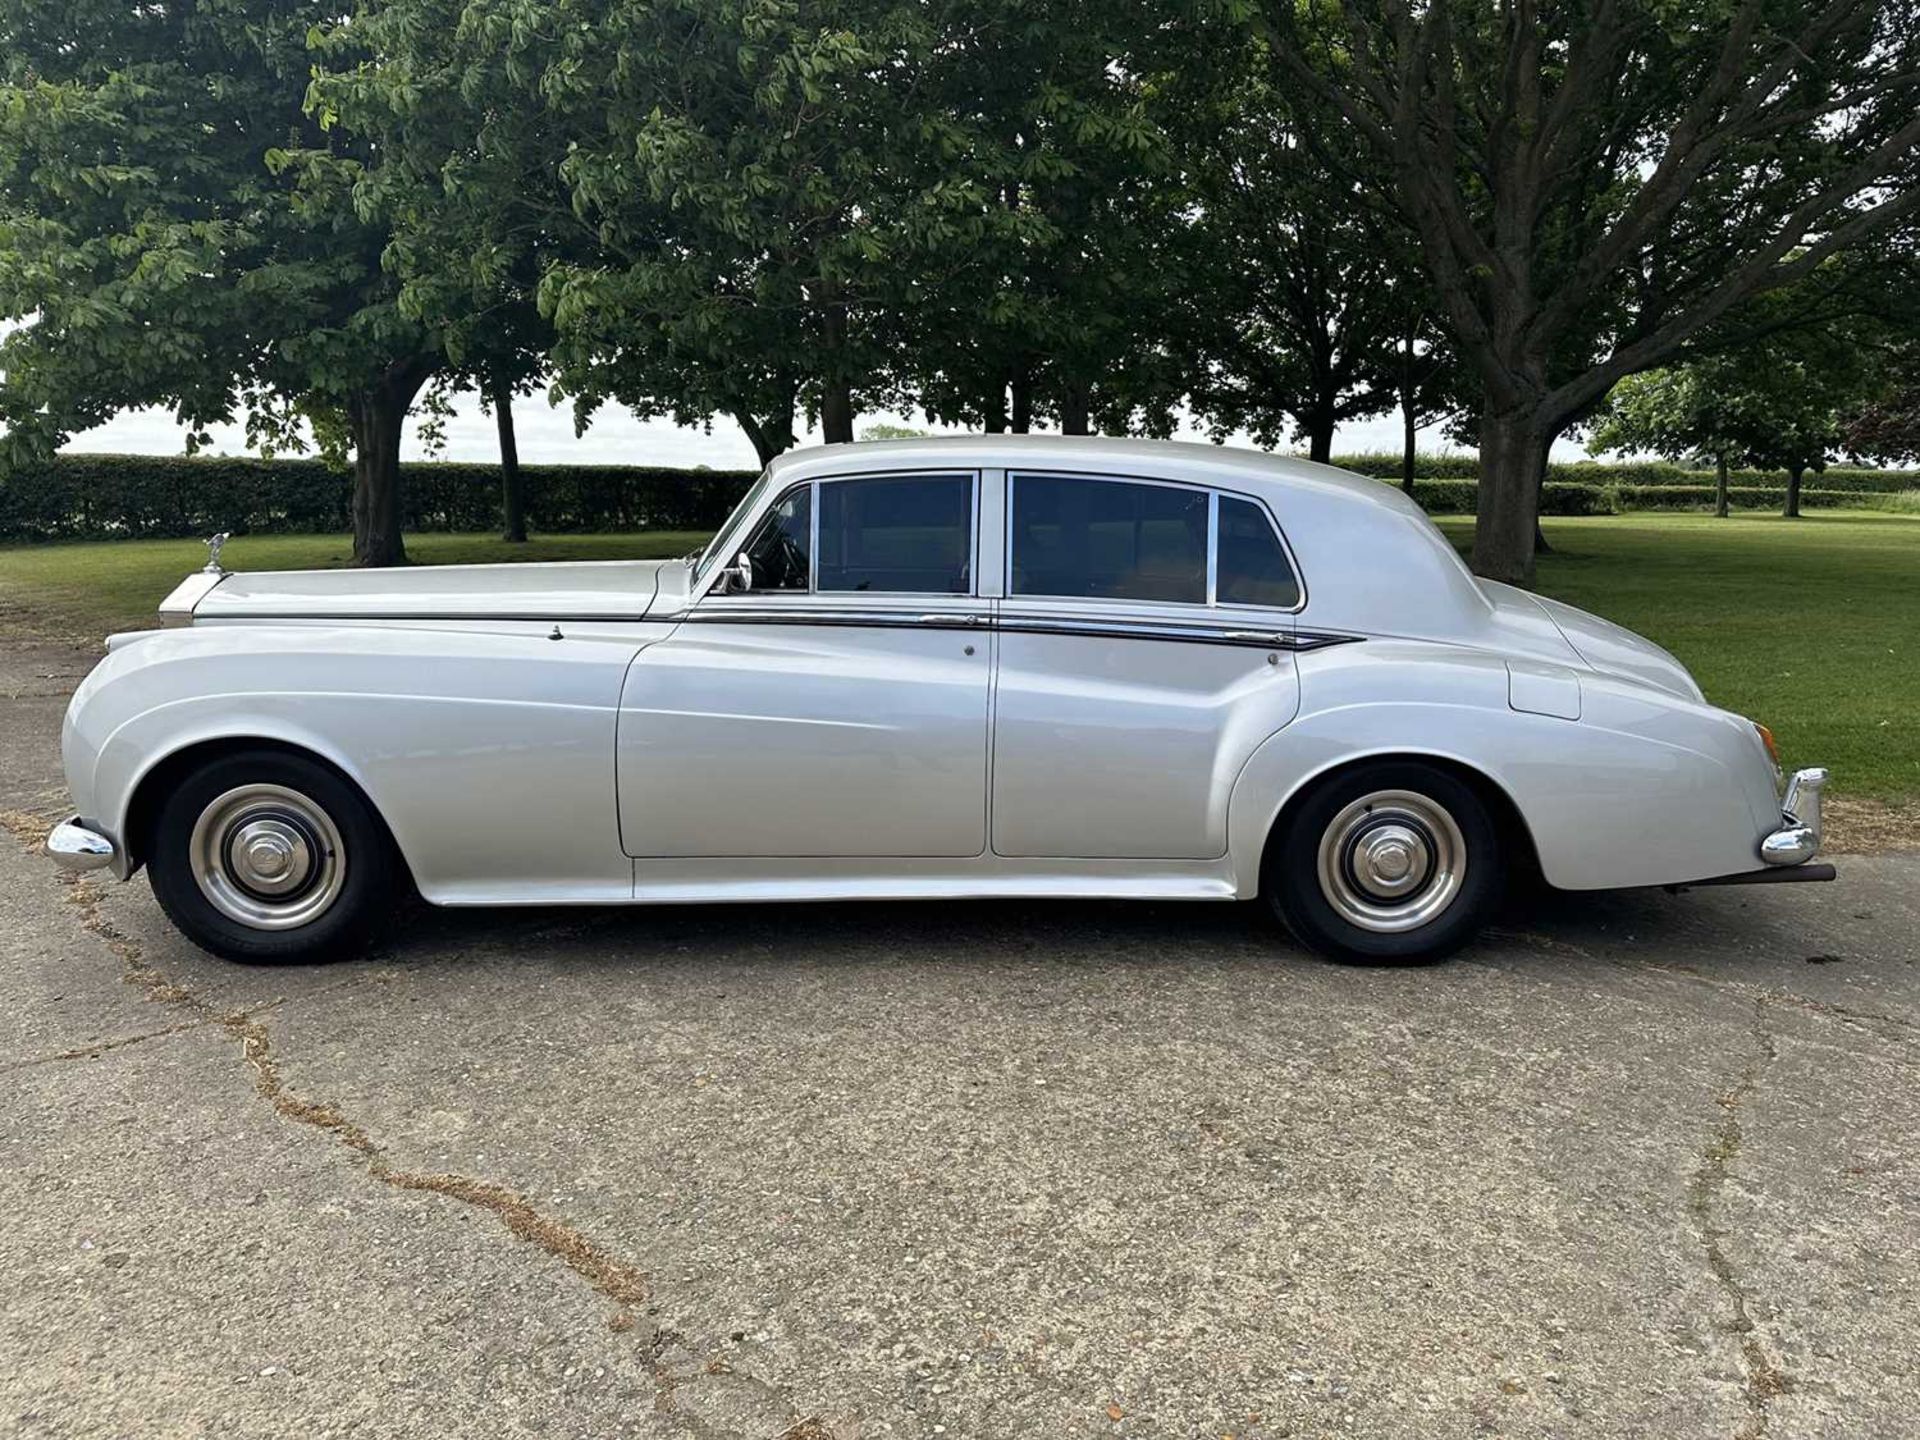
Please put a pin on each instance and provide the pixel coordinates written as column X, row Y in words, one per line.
column 85, row 496
column 1086, row 215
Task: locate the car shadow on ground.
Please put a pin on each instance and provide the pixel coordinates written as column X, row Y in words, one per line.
column 1713, row 930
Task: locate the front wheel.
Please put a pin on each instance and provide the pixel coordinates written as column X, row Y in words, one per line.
column 268, row 857
column 1391, row 861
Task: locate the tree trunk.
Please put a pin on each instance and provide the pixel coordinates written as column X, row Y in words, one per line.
column 1409, row 455
column 1022, row 419
column 1540, row 545
column 1720, row 486
column 1513, row 448
column 513, row 499
column 836, row 389
column 1074, row 408
column 994, row 409
column 1319, row 427
column 771, row 436
column 836, row 413
column 1795, row 473
column 375, row 418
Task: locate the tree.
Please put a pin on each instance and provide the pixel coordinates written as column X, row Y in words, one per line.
column 736, row 194
column 176, row 230
column 1426, row 380
column 1691, row 413
column 1304, row 293
column 1056, row 294
column 457, row 188
column 1887, row 427
column 1594, row 185
column 1778, row 403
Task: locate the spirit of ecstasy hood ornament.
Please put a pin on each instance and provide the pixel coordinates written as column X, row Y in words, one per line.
column 212, row 566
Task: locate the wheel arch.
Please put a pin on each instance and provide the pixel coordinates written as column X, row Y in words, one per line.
column 150, row 789
column 1509, row 820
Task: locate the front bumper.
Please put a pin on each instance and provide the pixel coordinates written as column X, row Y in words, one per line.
column 75, row 845
column 1798, row 838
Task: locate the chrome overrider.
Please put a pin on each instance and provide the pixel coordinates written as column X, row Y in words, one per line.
column 1798, row 838
column 76, row 846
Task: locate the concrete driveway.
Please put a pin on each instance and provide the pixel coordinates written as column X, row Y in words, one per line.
column 1635, row 1165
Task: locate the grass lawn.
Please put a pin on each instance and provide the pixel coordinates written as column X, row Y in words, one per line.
column 1811, row 625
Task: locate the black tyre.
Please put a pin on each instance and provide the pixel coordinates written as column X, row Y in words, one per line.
column 1389, row 862
column 268, row 857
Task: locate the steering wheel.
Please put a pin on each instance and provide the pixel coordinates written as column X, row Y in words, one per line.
column 787, row 563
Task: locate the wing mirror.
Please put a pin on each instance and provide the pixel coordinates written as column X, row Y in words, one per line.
column 737, row 578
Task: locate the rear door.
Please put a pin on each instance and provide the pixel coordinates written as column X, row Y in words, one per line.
column 839, row 707
column 1145, row 651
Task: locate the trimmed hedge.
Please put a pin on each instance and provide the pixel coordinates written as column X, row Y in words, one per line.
column 105, row 497
column 1649, row 474
column 1459, row 497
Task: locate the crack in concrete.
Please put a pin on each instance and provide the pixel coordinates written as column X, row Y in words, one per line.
column 605, row 1273
column 1764, row 1379
column 614, row 1278
column 1902, row 1029
column 102, row 1047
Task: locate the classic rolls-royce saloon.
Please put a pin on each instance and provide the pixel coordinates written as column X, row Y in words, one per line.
column 986, row 666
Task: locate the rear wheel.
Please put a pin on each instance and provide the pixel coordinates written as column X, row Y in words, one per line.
column 268, row 857
column 1390, row 861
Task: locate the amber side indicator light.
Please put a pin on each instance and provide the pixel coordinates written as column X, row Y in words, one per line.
column 1766, row 739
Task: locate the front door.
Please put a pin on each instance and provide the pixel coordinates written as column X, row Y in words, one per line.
column 838, row 707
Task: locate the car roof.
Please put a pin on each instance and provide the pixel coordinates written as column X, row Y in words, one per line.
column 1108, row 455
column 1371, row 560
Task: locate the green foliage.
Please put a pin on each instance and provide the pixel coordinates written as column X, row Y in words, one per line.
column 1781, row 401
column 174, row 230
column 1595, row 187
column 133, row 496
column 1314, row 313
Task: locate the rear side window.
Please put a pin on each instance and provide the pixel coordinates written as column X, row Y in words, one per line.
column 910, row 534
column 1108, row 539
column 1253, row 567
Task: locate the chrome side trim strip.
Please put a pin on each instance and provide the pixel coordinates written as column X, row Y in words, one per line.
column 865, row 619
column 1190, row 634
column 1222, row 634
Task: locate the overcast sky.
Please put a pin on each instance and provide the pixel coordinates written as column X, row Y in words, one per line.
column 617, row 438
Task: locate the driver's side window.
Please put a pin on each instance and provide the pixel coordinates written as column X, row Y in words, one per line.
column 780, row 550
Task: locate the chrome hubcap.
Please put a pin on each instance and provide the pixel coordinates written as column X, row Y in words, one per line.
column 268, row 857
column 1392, row 861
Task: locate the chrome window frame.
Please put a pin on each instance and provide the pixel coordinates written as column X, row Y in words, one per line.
column 1213, row 493
column 710, row 555
column 813, row 486
column 1286, row 549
